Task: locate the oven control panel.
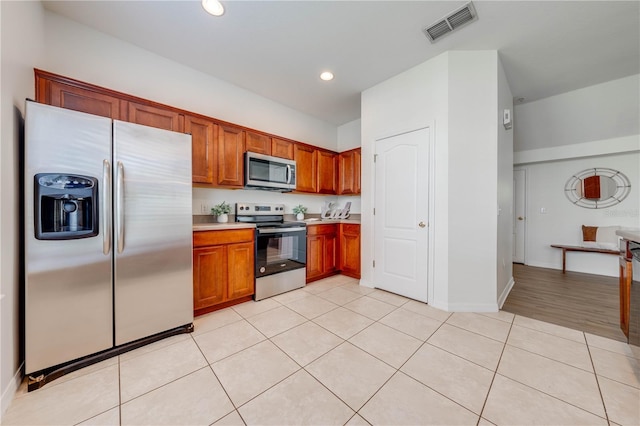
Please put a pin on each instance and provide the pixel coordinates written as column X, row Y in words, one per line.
column 253, row 209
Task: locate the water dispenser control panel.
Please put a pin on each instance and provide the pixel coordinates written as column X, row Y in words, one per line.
column 66, row 206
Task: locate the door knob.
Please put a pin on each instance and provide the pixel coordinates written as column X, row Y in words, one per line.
column 520, row 218
column 422, row 225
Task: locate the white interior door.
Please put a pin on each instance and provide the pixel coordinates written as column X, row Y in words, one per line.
column 401, row 214
column 519, row 210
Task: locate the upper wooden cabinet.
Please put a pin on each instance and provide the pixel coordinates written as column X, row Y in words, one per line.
column 281, row 148
column 78, row 99
column 306, row 168
column 258, row 142
column 349, row 172
column 202, row 145
column 229, row 152
column 327, row 172
column 218, row 147
column 162, row 118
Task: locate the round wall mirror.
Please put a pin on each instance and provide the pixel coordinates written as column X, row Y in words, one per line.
column 597, row 188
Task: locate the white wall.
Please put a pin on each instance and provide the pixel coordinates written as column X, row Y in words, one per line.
column 414, row 99
column 349, row 135
column 79, row 52
column 314, row 203
column 603, row 111
column 597, row 126
column 456, row 93
column 21, row 38
column 473, row 177
column 505, row 192
column 561, row 224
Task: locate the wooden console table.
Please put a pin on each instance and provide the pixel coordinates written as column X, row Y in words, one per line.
column 565, row 249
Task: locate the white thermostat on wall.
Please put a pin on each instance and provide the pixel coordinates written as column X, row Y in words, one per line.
column 506, row 119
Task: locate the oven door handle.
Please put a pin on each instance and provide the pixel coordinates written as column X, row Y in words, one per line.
column 280, row 230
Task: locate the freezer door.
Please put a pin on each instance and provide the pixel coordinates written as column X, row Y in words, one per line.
column 152, row 230
column 68, row 291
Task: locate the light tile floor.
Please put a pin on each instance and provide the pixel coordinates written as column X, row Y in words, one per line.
column 337, row 353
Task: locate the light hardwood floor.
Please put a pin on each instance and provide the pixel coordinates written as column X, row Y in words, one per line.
column 575, row 300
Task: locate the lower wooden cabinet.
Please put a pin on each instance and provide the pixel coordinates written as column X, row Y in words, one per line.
column 322, row 251
column 625, row 294
column 350, row 249
column 223, row 268
column 333, row 248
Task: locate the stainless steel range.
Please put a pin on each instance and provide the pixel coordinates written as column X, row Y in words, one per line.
column 281, row 248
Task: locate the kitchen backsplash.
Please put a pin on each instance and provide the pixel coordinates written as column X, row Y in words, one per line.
column 205, row 198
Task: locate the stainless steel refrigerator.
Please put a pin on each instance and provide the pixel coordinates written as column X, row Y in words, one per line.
column 108, row 228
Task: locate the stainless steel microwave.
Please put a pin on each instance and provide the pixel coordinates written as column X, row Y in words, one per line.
column 270, row 173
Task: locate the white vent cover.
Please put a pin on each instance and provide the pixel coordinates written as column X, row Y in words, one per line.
column 456, row 19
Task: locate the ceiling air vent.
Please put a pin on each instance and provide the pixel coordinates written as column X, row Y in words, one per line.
column 451, row 22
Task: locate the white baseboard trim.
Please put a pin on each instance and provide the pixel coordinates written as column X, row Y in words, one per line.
column 10, row 391
column 465, row 307
column 473, row 307
column 505, row 292
column 365, row 283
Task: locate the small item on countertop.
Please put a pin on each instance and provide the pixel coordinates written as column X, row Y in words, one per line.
column 328, row 211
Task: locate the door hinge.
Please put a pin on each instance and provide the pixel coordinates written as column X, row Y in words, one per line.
column 374, row 211
column 375, row 157
column 374, row 263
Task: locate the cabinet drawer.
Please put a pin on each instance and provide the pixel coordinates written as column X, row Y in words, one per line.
column 350, row 228
column 212, row 238
column 330, row 228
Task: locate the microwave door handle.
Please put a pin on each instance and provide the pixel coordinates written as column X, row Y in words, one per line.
column 288, row 174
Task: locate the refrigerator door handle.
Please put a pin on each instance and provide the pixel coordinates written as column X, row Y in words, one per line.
column 106, row 206
column 120, row 206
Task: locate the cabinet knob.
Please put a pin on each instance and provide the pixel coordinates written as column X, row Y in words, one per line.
column 520, row 218
column 422, row 225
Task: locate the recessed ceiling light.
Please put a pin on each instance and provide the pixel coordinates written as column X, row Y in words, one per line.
column 214, row 7
column 326, row 76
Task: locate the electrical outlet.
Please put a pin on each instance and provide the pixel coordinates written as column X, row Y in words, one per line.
column 203, row 208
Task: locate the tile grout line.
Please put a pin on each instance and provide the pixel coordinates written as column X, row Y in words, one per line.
column 495, row 373
column 595, row 374
column 119, row 394
column 397, row 371
column 539, row 390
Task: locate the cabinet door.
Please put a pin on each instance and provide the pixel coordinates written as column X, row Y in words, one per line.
column 327, row 172
column 77, row 99
column 281, row 148
column 349, row 172
column 229, row 155
column 257, row 142
column 241, row 270
column 625, row 295
column 331, row 253
column 315, row 256
column 156, row 117
column 306, row 168
column 209, row 276
column 350, row 250
column 202, row 134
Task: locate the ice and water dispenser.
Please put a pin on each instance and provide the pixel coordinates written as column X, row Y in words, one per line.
column 66, row 206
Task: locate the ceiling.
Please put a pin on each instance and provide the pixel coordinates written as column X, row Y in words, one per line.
column 277, row 49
